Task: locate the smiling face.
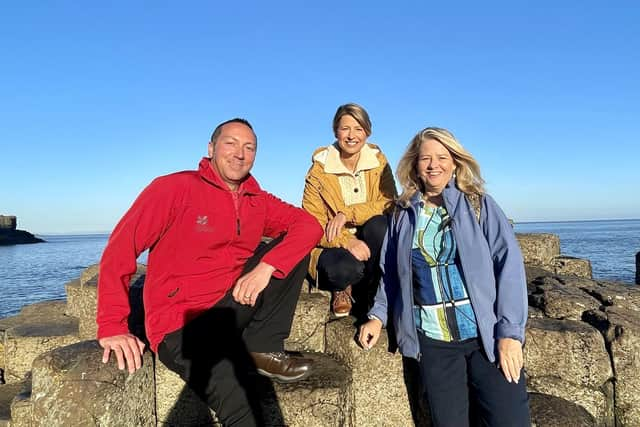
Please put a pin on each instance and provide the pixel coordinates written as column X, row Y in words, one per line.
column 233, row 153
column 351, row 136
column 435, row 166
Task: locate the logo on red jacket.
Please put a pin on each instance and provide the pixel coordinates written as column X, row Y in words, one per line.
column 202, row 224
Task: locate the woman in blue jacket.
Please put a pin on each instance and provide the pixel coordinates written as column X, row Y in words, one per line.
column 454, row 285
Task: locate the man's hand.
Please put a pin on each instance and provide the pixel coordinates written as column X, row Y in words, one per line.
column 358, row 249
column 369, row 333
column 127, row 347
column 249, row 286
column 510, row 358
column 334, row 226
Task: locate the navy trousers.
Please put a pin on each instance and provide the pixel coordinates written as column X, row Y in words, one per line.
column 463, row 388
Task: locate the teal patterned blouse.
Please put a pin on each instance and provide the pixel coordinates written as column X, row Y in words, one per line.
column 443, row 310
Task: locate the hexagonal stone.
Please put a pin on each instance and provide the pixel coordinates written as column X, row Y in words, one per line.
column 552, row 411
column 624, row 325
column 30, row 337
column 72, row 387
column 568, row 359
column 378, row 377
column 21, row 409
column 571, row 266
column 176, row 403
column 539, row 248
column 7, row 393
column 45, row 308
column 324, row 399
column 560, row 301
column 73, row 291
column 307, row 329
column 5, row 323
column 82, row 302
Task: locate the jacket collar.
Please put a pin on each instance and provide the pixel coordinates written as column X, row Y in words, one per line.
column 368, row 160
column 416, row 200
column 450, row 194
column 206, row 172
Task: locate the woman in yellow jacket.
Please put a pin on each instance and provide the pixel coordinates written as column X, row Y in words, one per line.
column 348, row 188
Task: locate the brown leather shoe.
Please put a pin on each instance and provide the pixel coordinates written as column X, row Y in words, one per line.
column 342, row 302
column 281, row 366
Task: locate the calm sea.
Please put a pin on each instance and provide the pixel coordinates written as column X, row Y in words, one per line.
column 38, row 272
column 32, row 273
column 611, row 246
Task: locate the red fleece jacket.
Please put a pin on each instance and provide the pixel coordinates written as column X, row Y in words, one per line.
column 199, row 239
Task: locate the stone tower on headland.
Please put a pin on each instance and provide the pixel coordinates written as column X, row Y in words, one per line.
column 8, row 222
column 10, row 235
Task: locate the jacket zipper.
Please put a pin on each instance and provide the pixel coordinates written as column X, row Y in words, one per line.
column 413, row 303
column 236, row 204
column 470, row 289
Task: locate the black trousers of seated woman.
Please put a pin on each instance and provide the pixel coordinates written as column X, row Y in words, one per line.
column 338, row 268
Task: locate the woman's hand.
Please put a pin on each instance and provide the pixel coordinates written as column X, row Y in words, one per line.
column 358, row 249
column 369, row 333
column 334, row 226
column 510, row 358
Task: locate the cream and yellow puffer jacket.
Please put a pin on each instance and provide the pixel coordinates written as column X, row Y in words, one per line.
column 323, row 196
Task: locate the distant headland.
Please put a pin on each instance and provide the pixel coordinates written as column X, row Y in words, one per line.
column 9, row 235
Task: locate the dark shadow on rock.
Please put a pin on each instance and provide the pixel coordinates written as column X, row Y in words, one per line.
column 417, row 402
column 552, row 411
column 189, row 412
column 363, row 295
column 136, row 315
column 411, row 376
column 212, row 339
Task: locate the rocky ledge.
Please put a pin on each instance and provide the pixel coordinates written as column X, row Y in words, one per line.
column 9, row 235
column 581, row 361
column 17, row 237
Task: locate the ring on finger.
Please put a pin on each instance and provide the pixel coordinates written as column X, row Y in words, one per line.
column 247, row 297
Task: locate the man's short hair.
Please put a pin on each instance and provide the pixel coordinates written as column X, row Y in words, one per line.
column 218, row 130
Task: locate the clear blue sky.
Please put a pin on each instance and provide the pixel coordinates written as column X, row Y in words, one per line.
column 98, row 98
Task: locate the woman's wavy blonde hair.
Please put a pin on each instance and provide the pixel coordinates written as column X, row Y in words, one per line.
column 467, row 172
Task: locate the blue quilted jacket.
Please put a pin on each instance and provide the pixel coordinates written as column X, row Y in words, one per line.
column 490, row 260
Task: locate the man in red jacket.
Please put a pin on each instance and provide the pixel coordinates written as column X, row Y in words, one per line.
column 218, row 301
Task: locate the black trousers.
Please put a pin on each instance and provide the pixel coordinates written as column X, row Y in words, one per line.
column 464, row 388
column 337, row 268
column 211, row 352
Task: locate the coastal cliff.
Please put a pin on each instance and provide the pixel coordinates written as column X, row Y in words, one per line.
column 9, row 235
column 582, row 342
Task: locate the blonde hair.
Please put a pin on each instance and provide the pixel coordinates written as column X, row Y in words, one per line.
column 467, row 172
column 357, row 112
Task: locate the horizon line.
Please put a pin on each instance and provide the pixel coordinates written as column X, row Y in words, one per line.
column 94, row 232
